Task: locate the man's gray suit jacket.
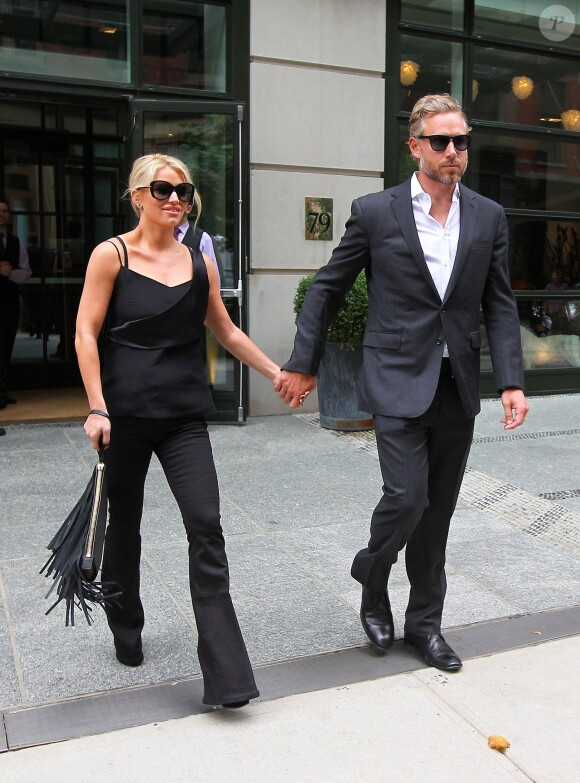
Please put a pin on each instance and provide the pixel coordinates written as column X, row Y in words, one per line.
column 408, row 322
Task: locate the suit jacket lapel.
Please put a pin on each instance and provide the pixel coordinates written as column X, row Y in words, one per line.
column 403, row 211
column 467, row 222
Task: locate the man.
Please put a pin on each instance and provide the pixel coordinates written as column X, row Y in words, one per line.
column 196, row 239
column 14, row 270
column 434, row 253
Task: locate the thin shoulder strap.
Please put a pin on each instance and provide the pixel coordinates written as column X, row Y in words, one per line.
column 124, row 246
column 125, row 254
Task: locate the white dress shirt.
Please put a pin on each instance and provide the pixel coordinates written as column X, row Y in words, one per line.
column 22, row 272
column 439, row 242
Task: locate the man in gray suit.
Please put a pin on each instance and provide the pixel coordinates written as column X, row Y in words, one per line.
column 435, row 254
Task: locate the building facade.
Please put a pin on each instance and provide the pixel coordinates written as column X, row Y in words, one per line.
column 285, row 111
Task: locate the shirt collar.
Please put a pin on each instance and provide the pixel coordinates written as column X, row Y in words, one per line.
column 418, row 193
column 183, row 227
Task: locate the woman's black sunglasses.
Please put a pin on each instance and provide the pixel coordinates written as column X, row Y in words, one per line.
column 160, row 189
column 440, row 143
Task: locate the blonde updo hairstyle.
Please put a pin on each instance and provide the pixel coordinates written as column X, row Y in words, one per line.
column 144, row 172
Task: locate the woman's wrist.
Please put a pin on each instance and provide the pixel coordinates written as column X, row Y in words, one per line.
column 97, row 412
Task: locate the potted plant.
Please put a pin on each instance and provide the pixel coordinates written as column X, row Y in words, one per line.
column 342, row 359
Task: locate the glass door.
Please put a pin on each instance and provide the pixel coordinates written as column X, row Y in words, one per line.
column 61, row 167
column 207, row 137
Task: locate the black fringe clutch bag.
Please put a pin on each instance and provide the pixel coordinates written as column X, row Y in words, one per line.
column 77, row 552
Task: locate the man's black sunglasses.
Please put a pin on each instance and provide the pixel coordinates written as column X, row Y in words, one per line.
column 440, row 143
column 160, row 189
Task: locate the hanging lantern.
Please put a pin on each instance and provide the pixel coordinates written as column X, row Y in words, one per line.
column 571, row 120
column 522, row 87
column 409, row 72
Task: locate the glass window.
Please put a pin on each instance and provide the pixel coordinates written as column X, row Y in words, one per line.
column 184, row 45
column 538, row 22
column 428, row 66
column 539, row 173
column 65, row 38
column 544, row 254
column 447, row 14
column 526, row 89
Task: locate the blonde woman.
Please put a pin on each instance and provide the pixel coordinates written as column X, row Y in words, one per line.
column 154, row 295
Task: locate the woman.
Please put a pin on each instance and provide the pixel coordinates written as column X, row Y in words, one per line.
column 154, row 296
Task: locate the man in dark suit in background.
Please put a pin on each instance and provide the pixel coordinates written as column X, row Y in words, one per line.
column 435, row 254
column 14, row 270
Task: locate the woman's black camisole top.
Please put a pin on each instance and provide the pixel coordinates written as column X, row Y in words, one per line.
column 153, row 348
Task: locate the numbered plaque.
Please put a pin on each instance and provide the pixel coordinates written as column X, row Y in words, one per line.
column 318, row 215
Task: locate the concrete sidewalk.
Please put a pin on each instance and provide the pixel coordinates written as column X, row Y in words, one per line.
column 414, row 727
column 296, row 503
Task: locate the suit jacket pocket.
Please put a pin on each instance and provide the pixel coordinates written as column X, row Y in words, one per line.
column 475, row 340
column 388, row 340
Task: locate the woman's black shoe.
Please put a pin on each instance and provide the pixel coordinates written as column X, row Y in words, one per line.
column 235, row 705
column 129, row 660
column 129, row 656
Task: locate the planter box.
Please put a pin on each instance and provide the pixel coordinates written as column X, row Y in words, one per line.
column 337, row 381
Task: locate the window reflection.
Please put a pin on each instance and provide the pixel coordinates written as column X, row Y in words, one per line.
column 544, row 254
column 525, row 173
column 447, row 14
column 428, row 66
column 540, row 24
column 184, row 45
column 69, row 38
column 549, row 87
column 554, row 348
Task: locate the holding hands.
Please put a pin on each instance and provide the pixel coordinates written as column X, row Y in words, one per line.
column 294, row 387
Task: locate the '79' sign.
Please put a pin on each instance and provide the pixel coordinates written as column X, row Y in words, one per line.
column 318, row 218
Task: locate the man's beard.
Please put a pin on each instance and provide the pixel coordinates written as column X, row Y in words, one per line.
column 451, row 179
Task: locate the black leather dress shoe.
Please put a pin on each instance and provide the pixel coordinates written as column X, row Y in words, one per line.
column 376, row 618
column 436, row 651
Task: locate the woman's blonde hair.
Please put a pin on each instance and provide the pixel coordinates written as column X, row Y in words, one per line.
column 433, row 104
column 145, row 169
column 197, row 200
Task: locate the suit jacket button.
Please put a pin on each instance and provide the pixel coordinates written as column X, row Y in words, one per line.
column 438, row 342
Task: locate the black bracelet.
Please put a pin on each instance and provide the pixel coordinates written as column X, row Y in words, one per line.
column 100, row 413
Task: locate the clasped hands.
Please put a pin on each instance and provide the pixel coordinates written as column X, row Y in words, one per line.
column 294, row 387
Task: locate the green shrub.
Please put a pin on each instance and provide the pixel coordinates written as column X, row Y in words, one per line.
column 349, row 323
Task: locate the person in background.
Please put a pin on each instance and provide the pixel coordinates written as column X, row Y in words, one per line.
column 195, row 238
column 14, row 271
column 150, row 395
